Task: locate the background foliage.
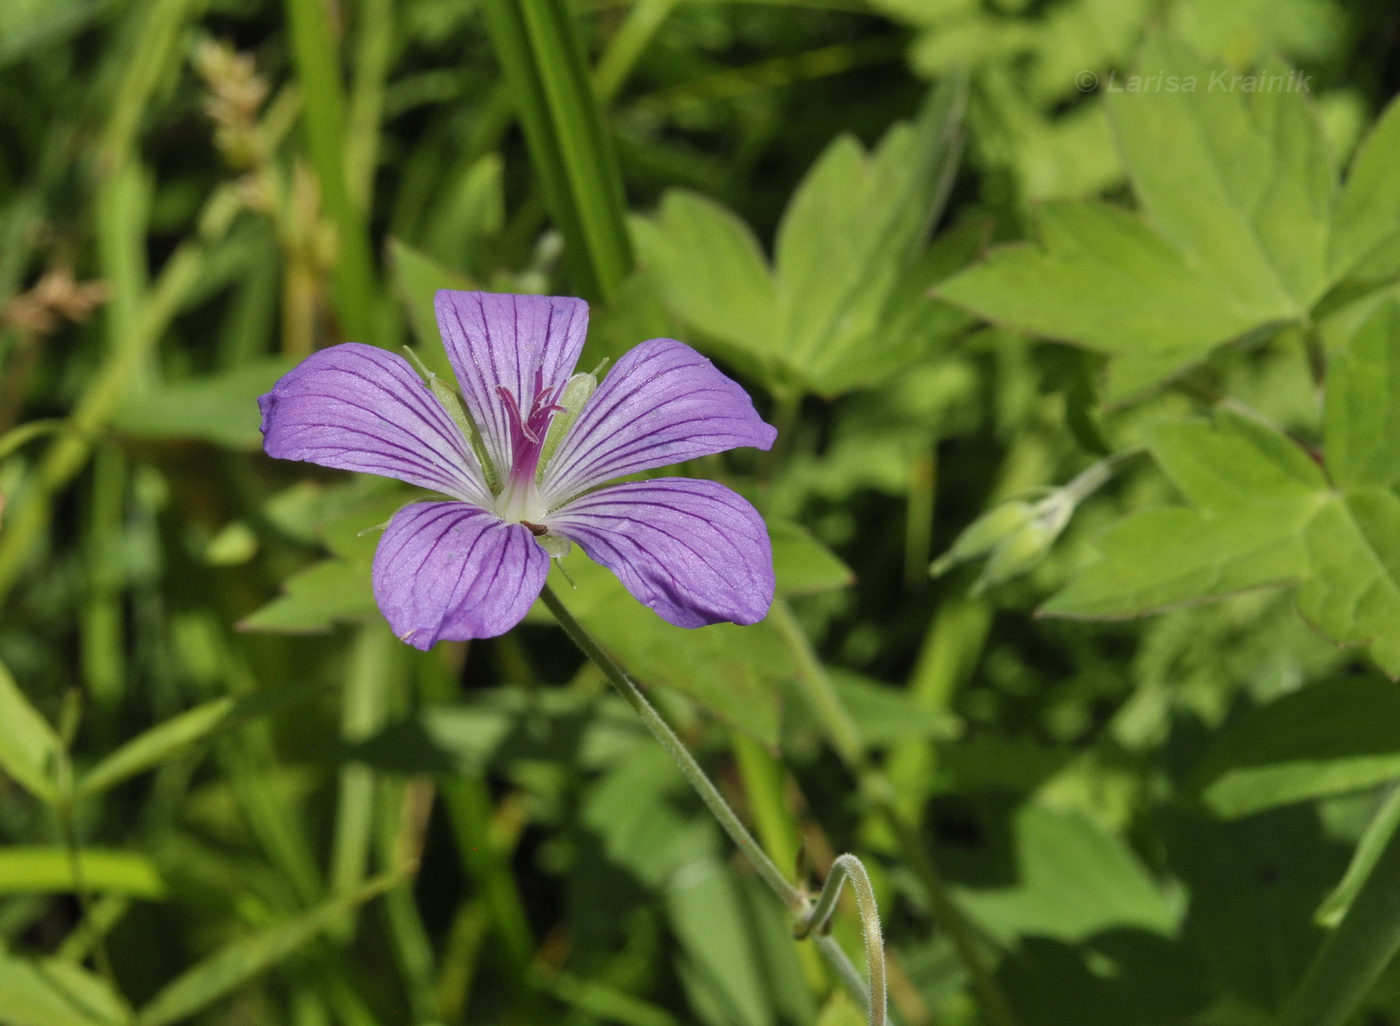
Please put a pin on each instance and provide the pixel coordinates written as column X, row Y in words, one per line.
column 1128, row 358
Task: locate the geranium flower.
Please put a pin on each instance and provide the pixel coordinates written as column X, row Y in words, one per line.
column 526, row 465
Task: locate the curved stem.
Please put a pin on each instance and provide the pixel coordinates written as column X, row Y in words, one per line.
column 795, row 900
column 848, row 867
column 709, row 794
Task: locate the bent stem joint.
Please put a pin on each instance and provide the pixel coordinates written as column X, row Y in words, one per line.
column 848, row 867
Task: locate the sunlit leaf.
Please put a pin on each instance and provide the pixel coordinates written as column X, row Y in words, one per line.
column 30, row 751
column 39, row 870
column 220, row 408
column 316, row 599
column 52, row 992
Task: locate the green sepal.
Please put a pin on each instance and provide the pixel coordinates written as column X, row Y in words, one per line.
column 452, row 402
column 576, row 393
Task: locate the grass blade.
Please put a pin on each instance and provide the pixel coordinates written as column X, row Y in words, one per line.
column 537, row 44
column 315, row 56
column 33, row 870
column 1355, row 954
column 224, row 971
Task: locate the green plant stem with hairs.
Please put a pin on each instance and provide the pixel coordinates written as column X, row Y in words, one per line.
column 803, row 912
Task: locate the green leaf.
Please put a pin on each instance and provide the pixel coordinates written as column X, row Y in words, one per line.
column 1233, row 461
column 710, row 270
column 154, row 746
column 217, row 408
column 30, row 751
column 52, row 992
column 1362, row 413
column 165, row 740
column 846, row 304
column 721, row 969
column 1267, row 515
column 1100, row 278
column 417, row 278
column 853, row 225
column 1353, row 595
column 731, row 671
column 1246, row 188
column 1355, row 953
column 228, row 968
column 42, row 870
column 1235, row 192
column 804, row 566
column 1258, row 493
column 1324, row 740
column 1158, row 559
column 1374, row 841
column 316, row 599
column 1073, row 880
column 1368, row 208
column 1253, row 886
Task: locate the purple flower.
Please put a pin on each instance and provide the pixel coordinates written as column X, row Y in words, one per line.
column 526, row 465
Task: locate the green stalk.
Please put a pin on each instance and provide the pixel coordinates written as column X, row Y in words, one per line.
column 848, row 867
column 661, row 730
column 643, row 20
column 97, row 405
column 375, row 43
column 763, row 778
column 1355, row 954
column 542, row 57
column 156, row 46
column 315, row 56
column 361, row 714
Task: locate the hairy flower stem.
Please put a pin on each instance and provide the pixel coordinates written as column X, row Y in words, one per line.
column 845, row 738
column 795, row 900
column 849, row 867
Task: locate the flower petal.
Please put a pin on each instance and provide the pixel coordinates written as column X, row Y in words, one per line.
column 662, row 403
column 694, row 551
column 356, row 407
column 449, row 570
column 498, row 340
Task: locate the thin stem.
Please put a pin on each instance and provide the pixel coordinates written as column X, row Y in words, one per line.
column 848, row 867
column 709, row 794
column 796, row 901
